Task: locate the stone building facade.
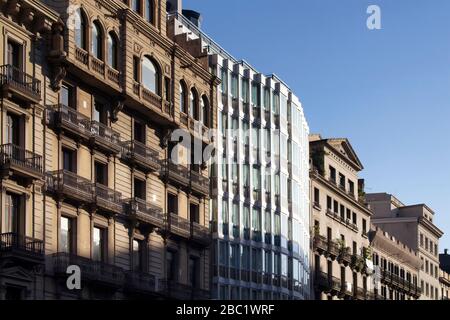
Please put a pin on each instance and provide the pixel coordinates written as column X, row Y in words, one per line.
column 414, row 226
column 340, row 220
column 95, row 172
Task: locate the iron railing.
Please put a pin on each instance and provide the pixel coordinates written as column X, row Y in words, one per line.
column 70, row 184
column 11, row 75
column 11, row 154
column 144, row 211
column 13, row 241
column 141, row 154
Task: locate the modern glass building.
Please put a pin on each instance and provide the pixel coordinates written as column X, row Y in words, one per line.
column 260, row 194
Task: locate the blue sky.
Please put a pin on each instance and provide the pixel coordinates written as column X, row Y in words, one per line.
column 387, row 90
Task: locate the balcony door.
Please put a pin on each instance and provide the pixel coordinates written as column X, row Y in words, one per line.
column 13, row 220
column 15, row 55
column 14, row 130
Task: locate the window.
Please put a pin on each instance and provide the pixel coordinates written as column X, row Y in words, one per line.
column 66, row 235
column 316, row 196
column 341, row 181
column 150, row 75
column 101, row 113
column 149, row 11
column 13, row 130
column 172, row 203
column 234, row 85
column 224, row 78
column 193, row 272
column 139, row 132
column 137, row 255
column 98, row 244
column 193, row 104
column 194, row 213
column 183, row 97
column 97, row 41
column 80, row 29
column 12, row 218
column 101, row 173
column 171, row 266
column 421, row 240
column 69, row 160
column 136, row 68
column 66, row 96
column 329, row 203
column 364, row 226
column 112, row 51
column 332, row 174
column 426, row 243
column 205, row 110
column 140, row 189
column 136, row 5
column 351, row 187
column 355, row 220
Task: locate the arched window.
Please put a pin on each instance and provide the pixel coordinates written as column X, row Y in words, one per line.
column 97, row 41
column 193, row 107
column 149, row 11
column 183, row 92
column 150, row 75
column 80, row 29
column 205, row 110
column 112, row 51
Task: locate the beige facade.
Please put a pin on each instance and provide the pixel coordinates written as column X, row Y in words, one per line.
column 444, row 279
column 87, row 175
column 341, row 254
column 396, row 267
column 413, row 226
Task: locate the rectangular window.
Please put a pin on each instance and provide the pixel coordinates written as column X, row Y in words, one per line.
column 364, row 226
column 101, row 173
column 193, row 272
column 101, row 113
column 316, row 196
column 171, row 267
column 224, row 78
column 194, row 213
column 69, row 160
column 234, row 85
column 14, row 131
column 355, row 220
column 351, row 187
column 139, row 132
column 329, row 203
column 12, row 217
column 66, row 96
column 15, row 54
column 66, row 235
column 332, row 174
column 341, row 181
column 172, row 203
column 140, row 189
column 136, row 66
column 137, row 255
column 98, row 244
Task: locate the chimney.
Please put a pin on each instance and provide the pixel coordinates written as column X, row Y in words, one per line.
column 174, row 6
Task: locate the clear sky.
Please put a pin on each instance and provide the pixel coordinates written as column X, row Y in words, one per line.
column 386, row 90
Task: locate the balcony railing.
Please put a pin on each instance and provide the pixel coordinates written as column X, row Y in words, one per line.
column 179, row 226
column 200, row 234
column 107, row 199
column 176, row 173
column 104, row 137
column 400, row 284
column 140, row 282
column 145, row 212
column 333, row 249
column 20, row 160
column 23, row 84
column 70, row 185
column 27, row 247
column 91, row 271
column 141, row 155
column 70, row 121
column 199, row 183
column 328, row 283
column 344, row 256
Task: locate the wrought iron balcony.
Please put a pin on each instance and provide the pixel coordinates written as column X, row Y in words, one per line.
column 328, row 283
column 104, row 138
column 333, row 249
column 344, row 256
column 70, row 186
column 21, row 162
column 69, row 121
column 107, row 199
column 357, row 263
column 178, row 291
column 200, row 234
column 21, row 249
column 175, row 173
column 141, row 156
column 179, row 226
column 144, row 212
column 199, row 183
column 20, row 84
column 91, row 271
column 361, row 294
column 400, row 284
column 140, row 283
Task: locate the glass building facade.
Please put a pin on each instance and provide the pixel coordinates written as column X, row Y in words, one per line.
column 260, row 176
